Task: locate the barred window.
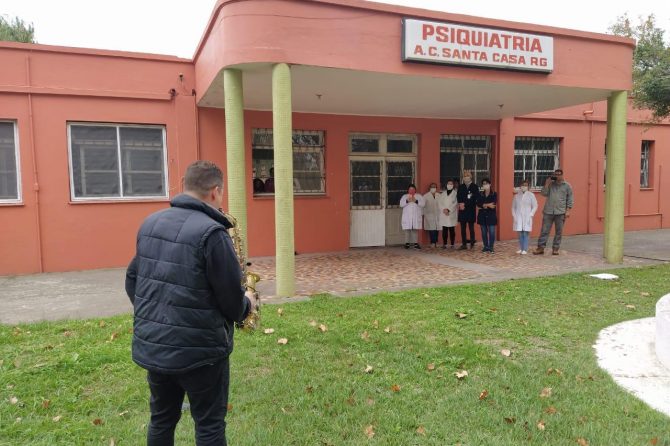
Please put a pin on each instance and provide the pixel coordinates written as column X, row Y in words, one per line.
column 117, row 161
column 535, row 159
column 645, row 161
column 465, row 152
column 309, row 174
column 10, row 190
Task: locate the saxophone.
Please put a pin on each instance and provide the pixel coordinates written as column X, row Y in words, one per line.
column 249, row 279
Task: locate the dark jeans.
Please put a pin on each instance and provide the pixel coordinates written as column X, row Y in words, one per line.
column 433, row 235
column 207, row 390
column 471, row 225
column 448, row 232
column 488, row 236
column 547, row 221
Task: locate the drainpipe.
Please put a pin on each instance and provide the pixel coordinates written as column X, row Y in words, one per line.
column 588, row 115
column 36, row 184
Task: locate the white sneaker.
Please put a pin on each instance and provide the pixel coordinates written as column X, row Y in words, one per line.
column 523, row 253
column 519, row 252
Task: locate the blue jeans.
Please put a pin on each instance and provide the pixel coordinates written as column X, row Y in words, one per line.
column 524, row 237
column 488, row 236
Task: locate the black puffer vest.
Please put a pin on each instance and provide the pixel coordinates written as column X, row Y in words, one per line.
column 178, row 326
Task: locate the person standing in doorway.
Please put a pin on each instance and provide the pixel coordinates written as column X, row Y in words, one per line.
column 431, row 214
column 556, row 209
column 524, row 206
column 448, row 214
column 412, row 205
column 467, row 196
column 486, row 216
column 185, row 284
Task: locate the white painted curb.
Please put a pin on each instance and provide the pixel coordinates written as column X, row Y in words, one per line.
column 663, row 330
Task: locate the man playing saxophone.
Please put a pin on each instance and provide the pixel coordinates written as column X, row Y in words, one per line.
column 185, row 283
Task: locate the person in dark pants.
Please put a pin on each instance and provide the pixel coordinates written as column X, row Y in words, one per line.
column 556, row 209
column 486, row 216
column 468, row 192
column 185, row 283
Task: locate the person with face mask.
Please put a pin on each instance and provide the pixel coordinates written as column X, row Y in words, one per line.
column 412, row 205
column 448, row 214
column 486, row 217
column 524, row 206
column 431, row 214
column 467, row 196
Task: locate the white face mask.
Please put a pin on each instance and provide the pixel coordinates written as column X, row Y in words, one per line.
column 450, row 187
column 524, row 188
column 486, row 186
column 467, row 180
column 433, row 190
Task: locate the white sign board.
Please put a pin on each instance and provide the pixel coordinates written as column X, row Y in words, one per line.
column 449, row 43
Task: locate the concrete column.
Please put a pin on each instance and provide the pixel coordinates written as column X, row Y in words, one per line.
column 235, row 156
column 616, row 177
column 283, row 165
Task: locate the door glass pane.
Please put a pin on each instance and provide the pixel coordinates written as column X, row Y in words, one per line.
column 366, row 183
column 399, row 175
column 450, row 166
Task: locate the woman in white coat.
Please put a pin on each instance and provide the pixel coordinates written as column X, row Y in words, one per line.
column 448, row 214
column 412, row 205
column 431, row 214
column 524, row 206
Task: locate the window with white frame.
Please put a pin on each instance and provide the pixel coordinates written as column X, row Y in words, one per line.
column 645, row 161
column 535, row 159
column 465, row 152
column 309, row 174
column 117, row 161
column 10, row 190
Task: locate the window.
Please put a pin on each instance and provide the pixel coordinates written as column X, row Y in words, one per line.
column 465, row 152
column 117, row 161
column 645, row 161
column 309, row 175
column 535, row 159
column 10, row 178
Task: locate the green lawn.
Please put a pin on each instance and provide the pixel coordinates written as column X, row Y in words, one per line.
column 73, row 383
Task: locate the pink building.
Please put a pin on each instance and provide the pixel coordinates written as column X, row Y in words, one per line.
column 93, row 141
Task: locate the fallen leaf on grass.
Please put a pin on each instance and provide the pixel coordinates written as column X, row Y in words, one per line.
column 483, row 395
column 323, row 328
column 45, row 404
column 387, row 330
column 112, row 442
column 582, row 442
column 645, row 294
column 546, row 392
column 461, row 315
column 13, row 400
column 461, row 374
column 269, row 330
column 97, row 422
column 375, row 323
column 280, row 311
column 505, row 352
column 101, row 324
column 282, row 341
column 67, row 333
column 421, row 430
column 370, row 431
column 229, row 407
column 430, row 367
column 114, row 336
column 630, row 307
column 540, row 425
column 653, row 441
column 550, row 410
column 626, row 291
column 395, row 388
column 554, row 371
column 370, row 402
column 123, row 414
column 510, row 420
column 17, row 363
column 365, row 335
column 368, row 369
column 56, row 419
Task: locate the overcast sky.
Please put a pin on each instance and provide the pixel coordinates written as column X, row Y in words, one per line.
column 175, row 27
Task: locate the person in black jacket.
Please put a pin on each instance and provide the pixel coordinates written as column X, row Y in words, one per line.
column 468, row 192
column 486, row 216
column 185, row 283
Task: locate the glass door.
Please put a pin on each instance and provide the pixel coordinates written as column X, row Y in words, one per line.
column 366, row 203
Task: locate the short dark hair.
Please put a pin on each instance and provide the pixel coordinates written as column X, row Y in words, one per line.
column 486, row 180
column 559, row 170
column 201, row 176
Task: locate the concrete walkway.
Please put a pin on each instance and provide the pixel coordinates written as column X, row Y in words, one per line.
column 100, row 293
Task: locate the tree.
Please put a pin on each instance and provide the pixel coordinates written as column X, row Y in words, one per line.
column 651, row 64
column 16, row 30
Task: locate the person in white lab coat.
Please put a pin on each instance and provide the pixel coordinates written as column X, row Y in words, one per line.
column 431, row 214
column 524, row 206
column 448, row 214
column 412, row 205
